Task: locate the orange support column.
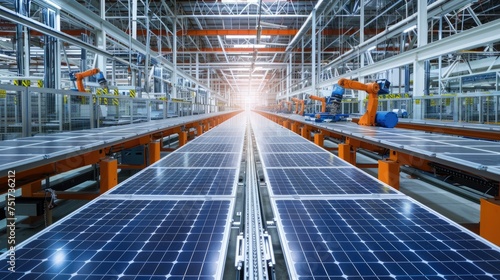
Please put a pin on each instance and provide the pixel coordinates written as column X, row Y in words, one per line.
column 154, row 152
column 347, row 153
column 295, row 128
column 489, row 222
column 319, row 139
column 388, row 170
column 109, row 174
column 183, row 137
column 30, row 189
column 305, row 132
column 286, row 124
column 199, row 130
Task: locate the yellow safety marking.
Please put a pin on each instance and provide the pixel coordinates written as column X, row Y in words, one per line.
column 132, row 93
column 16, row 82
column 40, row 83
column 115, row 92
column 26, row 83
column 65, row 99
column 105, row 90
column 99, row 91
column 15, row 99
column 3, row 93
column 116, row 102
column 417, row 101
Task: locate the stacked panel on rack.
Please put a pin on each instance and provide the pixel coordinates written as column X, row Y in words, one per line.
column 336, row 222
column 171, row 220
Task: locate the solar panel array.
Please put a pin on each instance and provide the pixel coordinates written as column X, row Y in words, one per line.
column 168, row 221
column 337, row 222
column 29, row 150
column 468, row 154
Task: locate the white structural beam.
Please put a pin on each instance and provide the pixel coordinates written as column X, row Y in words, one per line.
column 472, row 38
column 93, row 20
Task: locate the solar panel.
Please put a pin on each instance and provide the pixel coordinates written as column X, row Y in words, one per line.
column 218, row 140
column 290, row 148
column 292, row 139
column 211, row 148
column 315, row 181
column 379, row 238
column 481, row 158
column 127, row 239
column 175, row 181
column 302, row 159
column 201, row 160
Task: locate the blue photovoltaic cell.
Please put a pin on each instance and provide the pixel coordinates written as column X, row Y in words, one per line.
column 201, row 160
column 377, row 239
column 297, row 181
column 129, row 239
column 290, row 148
column 302, row 159
column 218, row 140
column 172, row 181
column 211, row 148
column 293, row 139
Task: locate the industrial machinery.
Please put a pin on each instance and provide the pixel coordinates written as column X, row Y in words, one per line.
column 79, row 76
column 372, row 117
column 289, row 108
column 297, row 103
column 331, row 104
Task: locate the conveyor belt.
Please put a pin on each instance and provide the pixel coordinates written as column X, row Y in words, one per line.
column 162, row 222
column 335, row 223
column 27, row 153
column 480, row 157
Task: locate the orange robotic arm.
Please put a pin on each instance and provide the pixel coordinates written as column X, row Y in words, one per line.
column 373, row 90
column 302, row 105
column 296, row 100
column 78, row 77
column 323, row 102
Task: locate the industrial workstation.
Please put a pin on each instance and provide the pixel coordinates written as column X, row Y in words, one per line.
column 250, row 139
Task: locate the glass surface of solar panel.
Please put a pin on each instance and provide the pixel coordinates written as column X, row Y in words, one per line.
column 218, row 140
column 210, row 148
column 129, row 239
column 322, row 159
column 290, row 148
column 377, row 239
column 172, row 181
column 302, row 181
column 200, row 160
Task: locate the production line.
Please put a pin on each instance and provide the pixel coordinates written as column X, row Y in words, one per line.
column 176, row 219
column 472, row 155
column 359, row 227
column 161, row 222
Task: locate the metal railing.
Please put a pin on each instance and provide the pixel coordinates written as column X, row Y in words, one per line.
column 27, row 111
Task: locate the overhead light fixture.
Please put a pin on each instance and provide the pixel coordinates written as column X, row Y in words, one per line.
column 371, row 48
column 409, row 29
column 257, row 46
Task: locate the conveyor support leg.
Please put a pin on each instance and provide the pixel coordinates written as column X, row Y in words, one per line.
column 199, row 130
column 347, row 153
column 295, row 128
column 183, row 136
column 109, row 174
column 30, row 189
column 489, row 223
column 319, row 139
column 154, row 152
column 388, row 170
column 286, row 124
column 305, row 132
